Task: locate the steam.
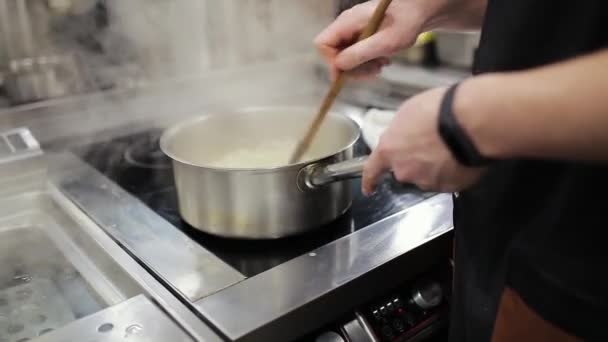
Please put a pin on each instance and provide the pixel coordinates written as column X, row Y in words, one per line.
column 122, row 42
column 155, row 62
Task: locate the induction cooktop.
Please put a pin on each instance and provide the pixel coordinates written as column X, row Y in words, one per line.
column 136, row 163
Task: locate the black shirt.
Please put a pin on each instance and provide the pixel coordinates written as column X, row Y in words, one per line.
column 537, row 226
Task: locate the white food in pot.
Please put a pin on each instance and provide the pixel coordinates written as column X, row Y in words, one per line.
column 266, row 155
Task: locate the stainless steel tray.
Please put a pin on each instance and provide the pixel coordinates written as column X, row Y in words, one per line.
column 53, row 275
column 59, row 269
column 32, row 309
column 127, row 321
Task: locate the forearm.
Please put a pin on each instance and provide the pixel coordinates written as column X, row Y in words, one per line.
column 555, row 112
column 456, row 15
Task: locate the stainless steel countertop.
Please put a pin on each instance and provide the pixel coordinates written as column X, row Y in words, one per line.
column 243, row 308
column 135, row 320
column 48, row 232
column 240, row 308
column 191, row 270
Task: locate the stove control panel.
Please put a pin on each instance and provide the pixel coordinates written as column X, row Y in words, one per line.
column 416, row 311
column 427, row 296
column 408, row 313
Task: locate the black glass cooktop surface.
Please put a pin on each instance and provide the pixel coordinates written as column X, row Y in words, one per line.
column 136, row 163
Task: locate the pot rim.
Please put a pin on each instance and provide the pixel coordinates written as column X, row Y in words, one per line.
column 173, row 130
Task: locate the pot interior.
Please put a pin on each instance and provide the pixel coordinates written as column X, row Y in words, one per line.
column 255, row 139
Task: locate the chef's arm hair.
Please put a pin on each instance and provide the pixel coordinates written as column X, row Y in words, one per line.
column 558, row 111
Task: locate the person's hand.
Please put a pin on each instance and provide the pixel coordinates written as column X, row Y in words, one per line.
column 413, row 150
column 404, row 20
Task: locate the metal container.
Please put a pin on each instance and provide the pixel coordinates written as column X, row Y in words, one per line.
column 457, row 49
column 261, row 203
column 35, row 79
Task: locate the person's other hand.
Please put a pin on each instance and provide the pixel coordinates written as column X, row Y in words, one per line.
column 404, row 20
column 413, row 150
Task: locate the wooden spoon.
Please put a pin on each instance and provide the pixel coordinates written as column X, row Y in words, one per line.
column 304, row 144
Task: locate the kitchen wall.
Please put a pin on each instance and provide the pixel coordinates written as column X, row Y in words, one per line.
column 176, row 38
column 119, row 42
column 160, row 39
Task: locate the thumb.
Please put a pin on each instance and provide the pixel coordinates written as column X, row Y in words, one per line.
column 373, row 169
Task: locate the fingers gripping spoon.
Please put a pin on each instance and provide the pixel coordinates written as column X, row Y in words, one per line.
column 334, row 90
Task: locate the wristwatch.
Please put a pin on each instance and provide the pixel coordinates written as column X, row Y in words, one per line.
column 453, row 135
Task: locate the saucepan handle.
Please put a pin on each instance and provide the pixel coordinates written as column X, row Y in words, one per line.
column 316, row 175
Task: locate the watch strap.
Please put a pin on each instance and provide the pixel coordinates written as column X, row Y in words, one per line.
column 453, row 135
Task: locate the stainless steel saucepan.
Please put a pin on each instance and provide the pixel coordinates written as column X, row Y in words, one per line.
column 261, row 203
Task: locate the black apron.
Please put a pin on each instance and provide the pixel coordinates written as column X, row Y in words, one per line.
column 534, row 227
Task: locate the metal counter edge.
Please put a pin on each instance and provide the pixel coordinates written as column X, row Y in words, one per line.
column 247, row 310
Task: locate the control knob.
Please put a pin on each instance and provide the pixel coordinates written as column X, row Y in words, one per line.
column 428, row 295
column 330, row 336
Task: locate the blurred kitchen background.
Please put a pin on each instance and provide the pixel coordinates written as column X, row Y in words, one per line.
column 72, row 69
column 58, row 48
column 52, row 48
